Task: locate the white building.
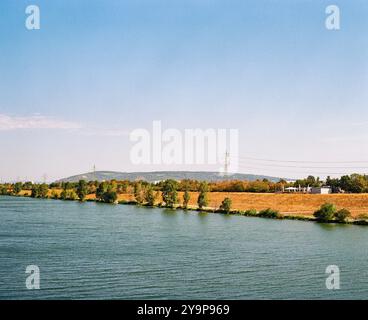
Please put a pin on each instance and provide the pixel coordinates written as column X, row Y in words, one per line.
column 298, row 189
column 291, row 189
column 321, row 190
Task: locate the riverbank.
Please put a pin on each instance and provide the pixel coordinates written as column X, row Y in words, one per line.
column 282, row 206
column 303, row 205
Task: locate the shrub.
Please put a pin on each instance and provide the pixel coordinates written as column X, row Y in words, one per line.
column 269, row 213
column 54, row 194
column 342, row 215
column 66, row 195
column 109, row 197
column 72, row 195
column 326, row 212
column 226, row 205
column 251, row 212
column 363, row 216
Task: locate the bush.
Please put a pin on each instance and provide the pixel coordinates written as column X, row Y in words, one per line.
column 109, row 197
column 269, row 213
column 67, row 195
column 72, row 195
column 342, row 215
column 363, row 216
column 251, row 212
column 54, row 194
column 226, row 205
column 326, row 212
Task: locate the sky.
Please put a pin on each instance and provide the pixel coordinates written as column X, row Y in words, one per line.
column 72, row 91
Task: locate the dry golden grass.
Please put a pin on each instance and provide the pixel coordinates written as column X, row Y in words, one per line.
column 295, row 204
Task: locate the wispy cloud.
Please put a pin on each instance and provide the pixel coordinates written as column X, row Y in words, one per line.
column 11, row 123
column 8, row 123
column 105, row 132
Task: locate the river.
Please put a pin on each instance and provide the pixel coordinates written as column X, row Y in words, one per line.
column 99, row 251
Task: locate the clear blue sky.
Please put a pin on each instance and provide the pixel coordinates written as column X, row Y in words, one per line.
column 98, row 69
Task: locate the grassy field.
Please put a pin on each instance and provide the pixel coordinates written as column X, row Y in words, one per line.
column 294, row 204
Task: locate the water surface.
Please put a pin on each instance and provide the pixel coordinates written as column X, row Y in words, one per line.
column 99, row 251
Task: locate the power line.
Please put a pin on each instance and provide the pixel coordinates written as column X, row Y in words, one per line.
column 242, row 167
column 307, row 167
column 300, row 161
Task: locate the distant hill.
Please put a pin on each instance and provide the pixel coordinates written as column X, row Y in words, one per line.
column 163, row 175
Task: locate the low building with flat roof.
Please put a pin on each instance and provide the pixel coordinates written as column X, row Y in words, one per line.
column 321, row 190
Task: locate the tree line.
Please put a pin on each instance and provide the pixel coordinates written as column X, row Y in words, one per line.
column 143, row 190
column 166, row 193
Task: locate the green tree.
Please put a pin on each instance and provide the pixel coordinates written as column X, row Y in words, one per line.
column 72, row 195
column 149, row 195
column 43, row 190
column 138, row 193
column 109, row 197
column 40, row 191
column 326, row 212
column 54, row 194
column 101, row 189
column 82, row 190
column 226, row 205
column 27, row 185
column 17, row 188
column 170, row 193
column 202, row 197
column 35, row 191
column 342, row 215
column 186, row 198
column 64, row 195
column 3, row 190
